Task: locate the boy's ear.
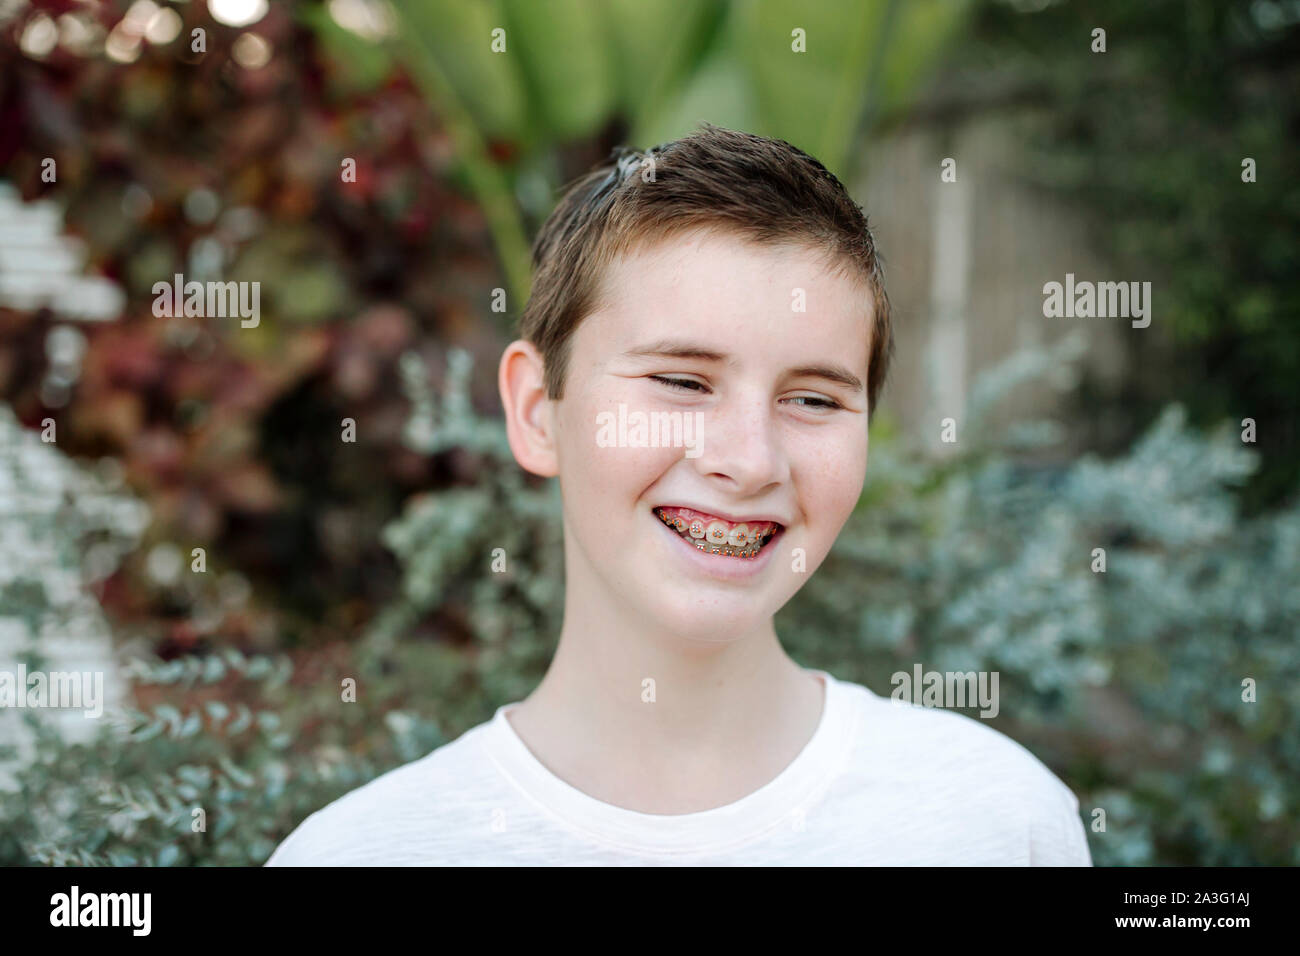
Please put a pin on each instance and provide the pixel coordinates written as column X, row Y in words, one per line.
column 530, row 425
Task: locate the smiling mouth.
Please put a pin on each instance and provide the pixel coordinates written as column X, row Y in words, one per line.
column 713, row 535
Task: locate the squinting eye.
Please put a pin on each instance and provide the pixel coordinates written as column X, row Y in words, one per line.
column 690, row 385
column 684, row 383
column 816, row 402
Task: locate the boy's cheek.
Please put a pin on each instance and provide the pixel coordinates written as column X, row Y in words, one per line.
column 830, row 495
column 835, row 462
column 602, row 472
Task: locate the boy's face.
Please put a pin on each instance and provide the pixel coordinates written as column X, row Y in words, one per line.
column 780, row 439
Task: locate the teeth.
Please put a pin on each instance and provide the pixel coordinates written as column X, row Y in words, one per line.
column 725, row 549
column 720, row 537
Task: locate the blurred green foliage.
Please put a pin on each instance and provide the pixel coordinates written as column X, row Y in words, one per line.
column 232, row 435
column 1148, row 139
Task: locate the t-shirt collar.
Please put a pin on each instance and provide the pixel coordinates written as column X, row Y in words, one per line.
column 778, row 803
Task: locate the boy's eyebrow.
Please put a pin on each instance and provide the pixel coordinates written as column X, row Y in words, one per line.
column 668, row 348
column 672, row 349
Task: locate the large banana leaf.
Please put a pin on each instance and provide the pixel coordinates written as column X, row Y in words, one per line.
column 569, row 67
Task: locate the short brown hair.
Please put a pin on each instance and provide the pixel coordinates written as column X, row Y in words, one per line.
column 764, row 190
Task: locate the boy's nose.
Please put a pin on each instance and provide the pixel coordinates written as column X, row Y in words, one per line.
column 741, row 442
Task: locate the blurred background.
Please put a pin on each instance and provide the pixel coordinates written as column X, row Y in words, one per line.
column 231, row 523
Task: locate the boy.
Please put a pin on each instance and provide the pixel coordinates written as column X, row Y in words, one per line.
column 671, row 727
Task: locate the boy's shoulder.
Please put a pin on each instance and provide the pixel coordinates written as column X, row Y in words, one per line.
column 946, row 744
column 368, row 825
column 958, row 776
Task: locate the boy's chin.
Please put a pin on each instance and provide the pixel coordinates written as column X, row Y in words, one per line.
column 723, row 622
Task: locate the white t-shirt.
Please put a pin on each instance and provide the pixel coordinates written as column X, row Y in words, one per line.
column 881, row 782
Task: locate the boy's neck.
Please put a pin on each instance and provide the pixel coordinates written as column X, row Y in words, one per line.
column 647, row 725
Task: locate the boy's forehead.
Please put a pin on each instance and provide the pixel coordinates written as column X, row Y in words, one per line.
column 718, row 287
